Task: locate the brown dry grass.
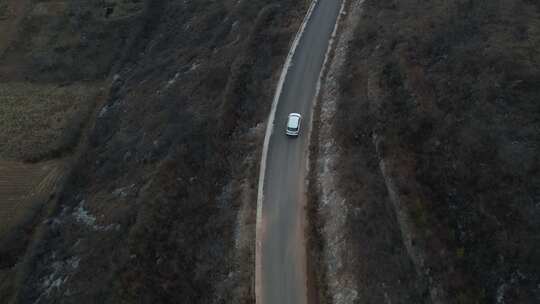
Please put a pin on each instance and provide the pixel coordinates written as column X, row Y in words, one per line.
column 41, row 120
column 11, row 12
column 27, row 192
column 23, row 187
column 451, row 90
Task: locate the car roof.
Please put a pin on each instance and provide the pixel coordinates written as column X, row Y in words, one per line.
column 294, row 120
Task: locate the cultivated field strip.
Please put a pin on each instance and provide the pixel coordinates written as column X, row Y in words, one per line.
column 23, row 187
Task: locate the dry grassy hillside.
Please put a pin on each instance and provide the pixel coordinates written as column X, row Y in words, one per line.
column 159, row 205
column 441, row 106
column 55, row 57
column 40, row 121
column 21, row 186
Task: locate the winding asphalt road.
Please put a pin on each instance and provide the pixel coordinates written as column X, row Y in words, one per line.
column 283, row 276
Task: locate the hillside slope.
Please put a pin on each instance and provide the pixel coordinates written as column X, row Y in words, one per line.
column 438, row 122
column 159, row 207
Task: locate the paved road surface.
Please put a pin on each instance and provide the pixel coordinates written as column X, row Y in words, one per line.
column 283, row 270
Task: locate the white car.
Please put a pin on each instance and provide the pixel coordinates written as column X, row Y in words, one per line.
column 293, row 124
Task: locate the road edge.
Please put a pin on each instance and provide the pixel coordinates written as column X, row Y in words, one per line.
column 268, row 134
column 313, row 295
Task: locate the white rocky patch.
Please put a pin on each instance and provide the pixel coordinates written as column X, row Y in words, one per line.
column 84, row 217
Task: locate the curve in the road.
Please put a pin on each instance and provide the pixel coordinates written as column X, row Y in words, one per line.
column 281, row 250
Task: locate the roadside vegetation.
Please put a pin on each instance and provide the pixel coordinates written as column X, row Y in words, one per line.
column 441, row 106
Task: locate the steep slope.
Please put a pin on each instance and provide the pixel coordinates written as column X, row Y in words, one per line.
column 159, row 208
column 438, row 116
column 357, row 250
column 51, row 78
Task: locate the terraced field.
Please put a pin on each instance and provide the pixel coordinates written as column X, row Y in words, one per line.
column 41, row 120
column 23, row 188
